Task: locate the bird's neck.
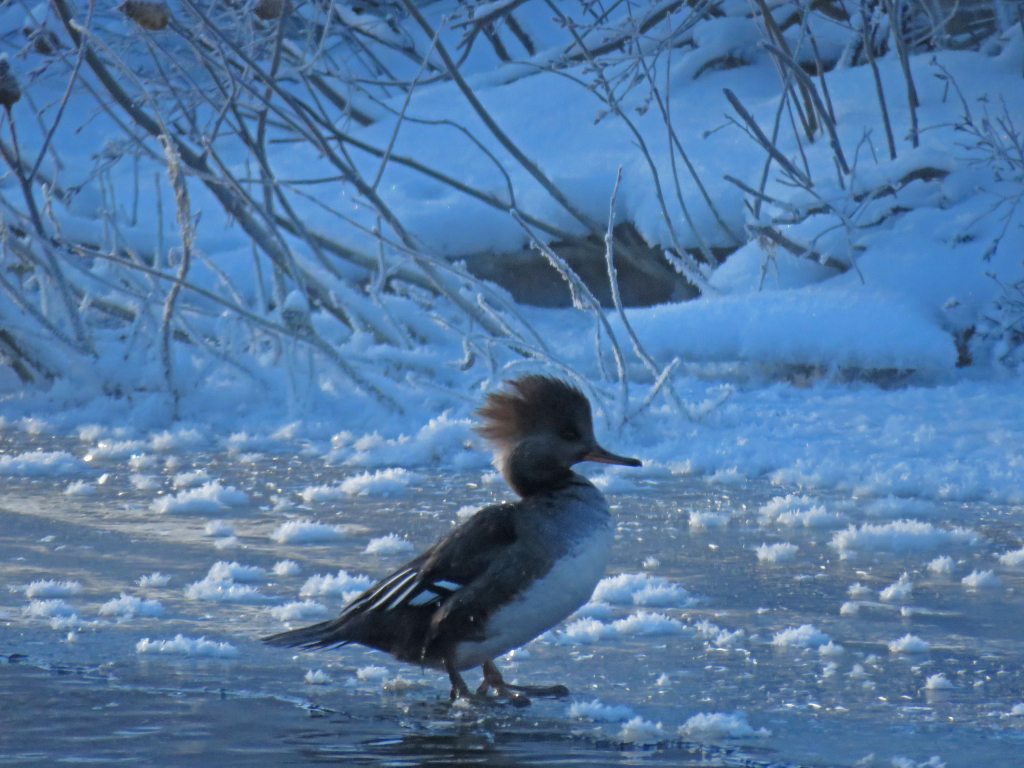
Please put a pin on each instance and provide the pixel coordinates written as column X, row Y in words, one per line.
column 529, row 469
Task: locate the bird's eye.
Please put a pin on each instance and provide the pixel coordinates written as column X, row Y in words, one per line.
column 570, row 433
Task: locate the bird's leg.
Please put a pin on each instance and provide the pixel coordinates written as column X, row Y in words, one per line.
column 493, row 679
column 459, row 687
column 532, row 690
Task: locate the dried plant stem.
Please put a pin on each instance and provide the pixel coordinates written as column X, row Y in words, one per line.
column 184, row 218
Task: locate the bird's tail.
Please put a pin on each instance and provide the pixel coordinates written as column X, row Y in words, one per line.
column 322, row 635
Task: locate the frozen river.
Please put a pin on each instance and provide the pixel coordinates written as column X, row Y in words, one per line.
column 755, row 625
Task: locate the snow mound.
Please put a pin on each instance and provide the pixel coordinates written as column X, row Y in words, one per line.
column 79, row 488
column 226, row 542
column 372, row 672
column 643, row 623
column 721, row 725
column 286, row 568
column 720, row 638
column 155, row 579
column 776, row 553
column 704, row 520
column 858, row 590
column 190, row 479
column 223, row 591
column 640, row 731
column 51, row 588
column 900, row 536
column 941, row 564
column 793, row 510
column 317, row 678
column 303, row 531
column 598, row 712
column 218, row 528
column 342, row 584
column 899, row 590
column 391, row 544
column 145, row 482
column 128, row 606
column 49, row 609
column 295, row 611
column 1012, row 559
column 182, row 438
column 641, row 589
column 938, row 682
column 909, row 644
column 382, row 482
column 114, row 449
column 187, row 646
column 831, row 649
column 210, row 497
column 40, row 463
column 804, row 636
column 225, row 571
column 981, row 579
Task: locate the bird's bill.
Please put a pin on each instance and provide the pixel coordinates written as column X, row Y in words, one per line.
column 600, row 455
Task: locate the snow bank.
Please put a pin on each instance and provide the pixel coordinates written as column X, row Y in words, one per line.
column 804, row 636
column 40, row 463
column 342, row 584
column 128, row 606
column 305, row 531
column 187, row 646
column 900, row 536
column 391, row 544
column 210, row 497
column 718, row 725
column 641, row 589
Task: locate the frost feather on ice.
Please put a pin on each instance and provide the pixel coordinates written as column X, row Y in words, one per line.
column 776, row 553
column 37, row 463
column 304, row 531
column 900, row 536
column 641, row 589
column 598, row 712
column 804, row 636
column 210, row 497
column 909, row 644
column 51, row 588
column 187, row 646
column 128, row 606
column 342, row 584
column 296, row 611
column 382, row 482
column 721, row 725
column 392, row 544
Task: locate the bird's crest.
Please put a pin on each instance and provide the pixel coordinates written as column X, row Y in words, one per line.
column 527, row 404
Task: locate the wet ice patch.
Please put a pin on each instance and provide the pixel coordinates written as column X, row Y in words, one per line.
column 305, row 531
column 210, row 497
column 909, row 644
column 899, row 536
column 981, row 580
column 297, row 611
column 188, row 646
column 286, row 568
column 938, row 682
column 600, row 713
column 155, row 579
column 225, row 571
column 52, row 588
column 342, row 584
column 804, row 636
column 190, row 479
column 641, row 589
column 79, row 488
column 716, row 725
column 776, row 553
column 128, row 606
column 900, row 590
column 40, row 463
column 391, row 544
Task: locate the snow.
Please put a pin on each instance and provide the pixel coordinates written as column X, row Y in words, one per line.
column 79, row 488
column 223, row 591
column 52, row 588
column 372, row 672
column 702, row 520
column 155, row 579
column 210, row 497
column 40, row 464
column 382, row 482
column 128, row 606
column 909, row 644
column 1012, row 559
column 286, row 568
column 588, row 631
column 296, row 611
column 225, row 571
column 342, row 584
column 319, row 677
column 941, row 564
column 190, row 479
column 640, row 731
column 804, row 636
column 776, row 553
column 599, row 712
column 938, row 682
column 305, row 531
column 48, row 609
column 981, row 579
column 227, row 542
column 187, row 646
column 900, row 590
column 391, row 544
column 641, row 589
column 900, row 536
column 218, row 528
column 716, row 725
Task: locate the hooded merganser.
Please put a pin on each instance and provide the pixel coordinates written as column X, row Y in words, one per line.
column 510, row 572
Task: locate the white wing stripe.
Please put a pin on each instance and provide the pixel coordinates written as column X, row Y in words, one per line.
column 400, row 599
column 394, row 586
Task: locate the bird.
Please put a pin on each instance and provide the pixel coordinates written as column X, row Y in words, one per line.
column 510, row 572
